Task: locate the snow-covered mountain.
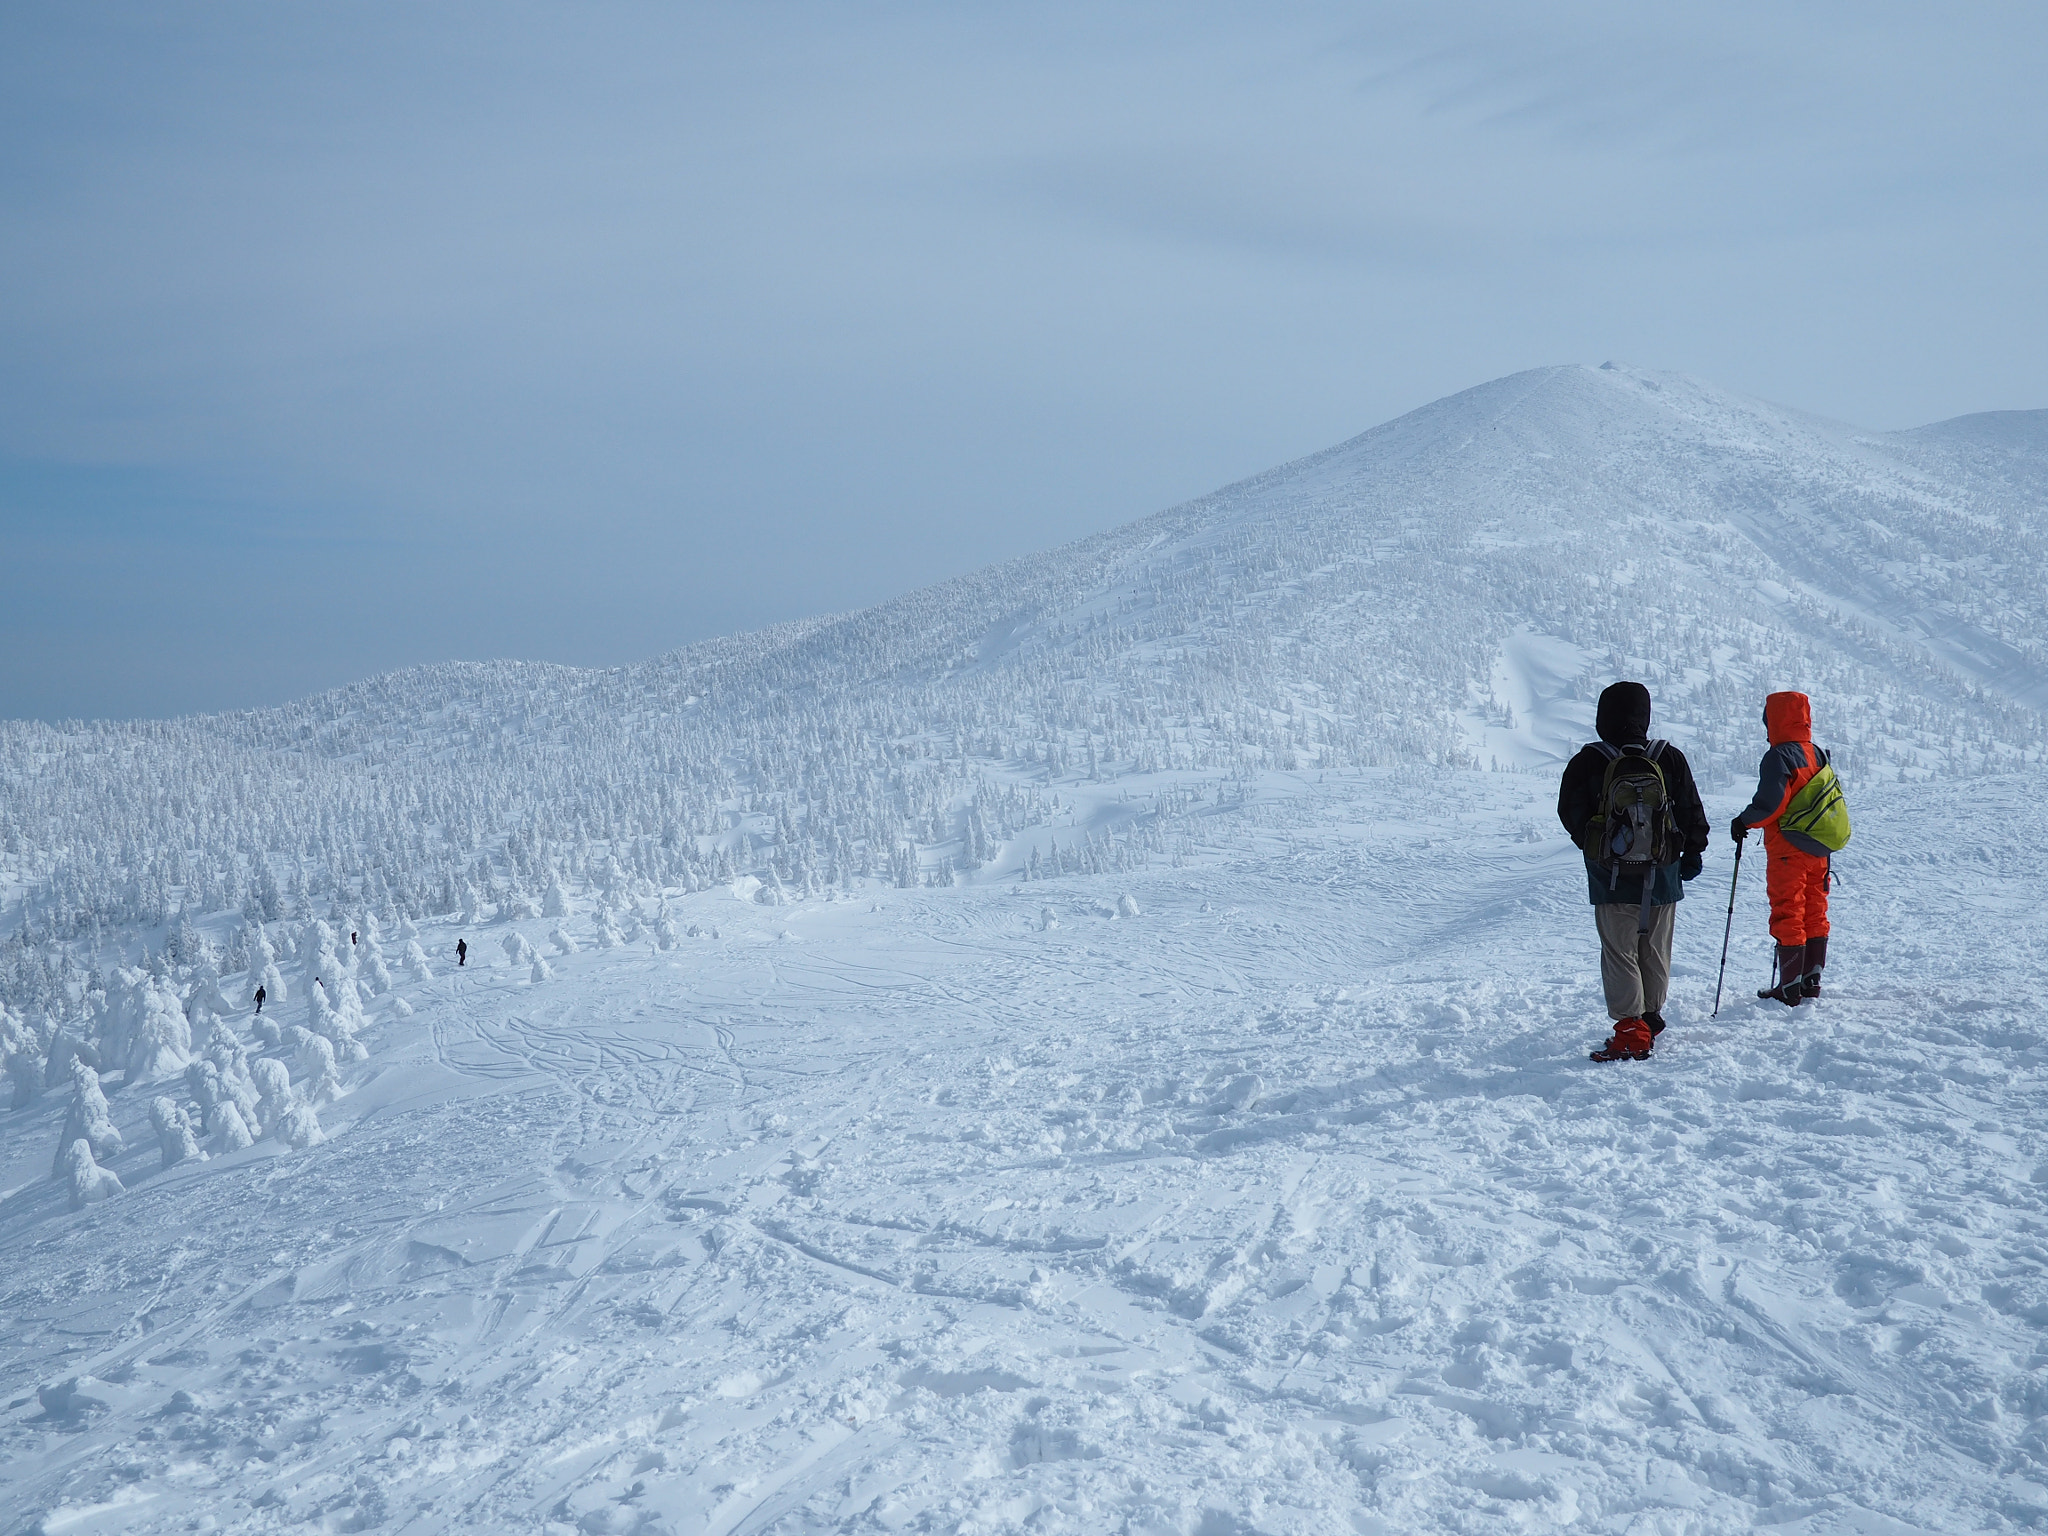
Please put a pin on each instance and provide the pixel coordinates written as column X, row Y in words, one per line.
column 1448, row 588
column 1094, row 1045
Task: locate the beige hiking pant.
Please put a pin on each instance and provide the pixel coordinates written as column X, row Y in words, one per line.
column 1635, row 968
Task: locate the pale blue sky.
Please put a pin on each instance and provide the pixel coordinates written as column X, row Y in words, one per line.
column 339, row 337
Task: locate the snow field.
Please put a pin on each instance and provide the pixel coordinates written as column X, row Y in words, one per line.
column 1287, row 1203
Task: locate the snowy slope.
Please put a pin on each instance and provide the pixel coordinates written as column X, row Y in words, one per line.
column 1094, row 1045
column 1288, row 1205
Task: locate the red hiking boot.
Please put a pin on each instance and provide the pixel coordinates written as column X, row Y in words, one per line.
column 1631, row 1041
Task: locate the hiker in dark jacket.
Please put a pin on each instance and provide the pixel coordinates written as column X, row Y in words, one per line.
column 1635, row 946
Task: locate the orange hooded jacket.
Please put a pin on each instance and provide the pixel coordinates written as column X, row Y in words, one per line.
column 1791, row 761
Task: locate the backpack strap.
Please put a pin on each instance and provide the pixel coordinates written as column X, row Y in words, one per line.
column 1613, row 755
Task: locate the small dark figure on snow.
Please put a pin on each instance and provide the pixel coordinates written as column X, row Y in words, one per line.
column 1799, row 805
column 1631, row 806
column 259, row 999
column 351, row 938
column 461, row 952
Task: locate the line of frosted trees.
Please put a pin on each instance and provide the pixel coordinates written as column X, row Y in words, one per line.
column 219, row 1078
column 172, row 1033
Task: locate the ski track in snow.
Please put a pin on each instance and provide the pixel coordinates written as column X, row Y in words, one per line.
column 1290, row 1205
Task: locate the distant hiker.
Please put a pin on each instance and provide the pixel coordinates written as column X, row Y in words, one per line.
column 461, row 952
column 351, row 938
column 1630, row 804
column 259, row 999
column 1799, row 805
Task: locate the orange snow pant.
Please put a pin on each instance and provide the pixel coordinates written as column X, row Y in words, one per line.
column 1798, row 883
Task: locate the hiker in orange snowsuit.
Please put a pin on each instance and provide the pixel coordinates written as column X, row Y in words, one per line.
column 1797, row 868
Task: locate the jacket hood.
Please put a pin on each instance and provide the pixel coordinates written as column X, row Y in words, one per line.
column 1624, row 714
column 1788, row 717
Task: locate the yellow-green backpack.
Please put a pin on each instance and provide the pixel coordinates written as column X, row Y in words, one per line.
column 1819, row 810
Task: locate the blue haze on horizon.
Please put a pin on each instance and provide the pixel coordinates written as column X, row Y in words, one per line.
column 338, row 338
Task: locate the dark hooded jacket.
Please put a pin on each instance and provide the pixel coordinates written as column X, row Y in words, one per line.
column 1623, row 718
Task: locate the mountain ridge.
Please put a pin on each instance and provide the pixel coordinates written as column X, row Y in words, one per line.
column 1450, row 587
column 2018, row 432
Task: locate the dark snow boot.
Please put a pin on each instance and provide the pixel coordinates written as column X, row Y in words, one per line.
column 1655, row 1020
column 1790, row 987
column 1816, row 962
column 1630, row 1042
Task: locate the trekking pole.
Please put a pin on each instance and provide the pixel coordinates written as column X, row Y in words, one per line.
column 1730, row 928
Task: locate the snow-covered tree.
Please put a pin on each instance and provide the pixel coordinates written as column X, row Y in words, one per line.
column 320, row 1006
column 202, row 1083
column 89, row 1118
column 274, row 1097
column 336, row 1014
column 299, row 1128
column 174, row 1134
column 316, row 944
column 86, row 1179
column 204, row 1005
column 21, row 1057
column 370, row 963
column 232, row 1081
column 318, row 1082
column 556, row 903
column 161, row 1044
column 268, row 975
column 231, row 1130
column 227, row 1100
column 416, row 961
